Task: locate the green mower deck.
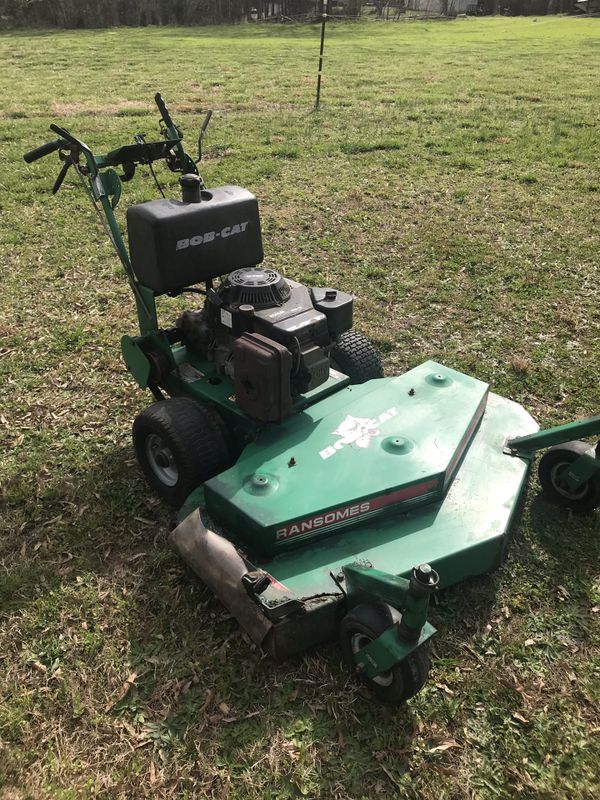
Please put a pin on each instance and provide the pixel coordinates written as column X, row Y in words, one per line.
column 455, row 434
column 366, row 451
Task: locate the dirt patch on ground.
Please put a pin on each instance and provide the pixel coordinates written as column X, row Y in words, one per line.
column 77, row 108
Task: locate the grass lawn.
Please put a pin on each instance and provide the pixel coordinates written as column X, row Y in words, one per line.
column 451, row 181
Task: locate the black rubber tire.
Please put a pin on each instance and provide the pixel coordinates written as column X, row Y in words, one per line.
column 557, row 458
column 354, row 355
column 191, row 435
column 404, row 680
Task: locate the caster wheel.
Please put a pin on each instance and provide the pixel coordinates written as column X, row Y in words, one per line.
column 367, row 622
column 552, row 465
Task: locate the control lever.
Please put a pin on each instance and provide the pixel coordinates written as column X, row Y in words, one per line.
column 61, row 176
column 202, row 130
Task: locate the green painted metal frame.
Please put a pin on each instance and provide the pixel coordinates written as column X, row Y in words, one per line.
column 102, row 188
column 421, row 424
column 105, row 189
column 560, row 434
column 463, row 536
column 364, row 583
column 387, row 650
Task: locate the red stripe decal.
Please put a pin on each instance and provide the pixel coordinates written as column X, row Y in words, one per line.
column 403, row 494
column 346, row 513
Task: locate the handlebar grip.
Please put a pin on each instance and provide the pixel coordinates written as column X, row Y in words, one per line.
column 163, row 110
column 43, row 150
column 65, row 134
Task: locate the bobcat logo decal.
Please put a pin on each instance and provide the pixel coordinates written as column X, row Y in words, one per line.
column 357, row 432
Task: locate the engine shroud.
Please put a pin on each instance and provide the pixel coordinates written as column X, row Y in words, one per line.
column 271, row 335
column 274, row 333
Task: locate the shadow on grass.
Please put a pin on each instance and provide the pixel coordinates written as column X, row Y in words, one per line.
column 197, row 678
column 95, row 550
column 561, row 534
column 75, row 522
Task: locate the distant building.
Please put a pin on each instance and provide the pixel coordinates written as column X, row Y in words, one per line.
column 439, row 7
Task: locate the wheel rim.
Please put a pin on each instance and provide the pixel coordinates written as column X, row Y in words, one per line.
column 161, row 460
column 555, row 473
column 360, row 640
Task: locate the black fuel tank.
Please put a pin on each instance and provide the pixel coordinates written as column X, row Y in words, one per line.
column 175, row 244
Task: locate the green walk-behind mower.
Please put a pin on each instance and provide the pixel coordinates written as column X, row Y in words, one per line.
column 317, row 497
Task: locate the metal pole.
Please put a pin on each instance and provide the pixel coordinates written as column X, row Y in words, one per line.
column 324, row 20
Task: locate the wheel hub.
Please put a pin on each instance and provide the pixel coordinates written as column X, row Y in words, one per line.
column 360, row 640
column 561, row 486
column 161, row 460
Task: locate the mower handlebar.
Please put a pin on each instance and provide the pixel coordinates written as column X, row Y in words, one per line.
column 69, row 137
column 66, row 141
column 44, row 150
column 164, row 111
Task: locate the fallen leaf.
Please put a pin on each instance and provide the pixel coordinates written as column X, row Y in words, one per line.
column 520, row 718
column 447, row 770
column 131, row 678
column 130, row 729
column 210, row 696
column 447, row 745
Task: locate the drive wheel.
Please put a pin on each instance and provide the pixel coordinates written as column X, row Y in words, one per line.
column 179, row 445
column 367, row 622
column 355, row 356
column 553, row 463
